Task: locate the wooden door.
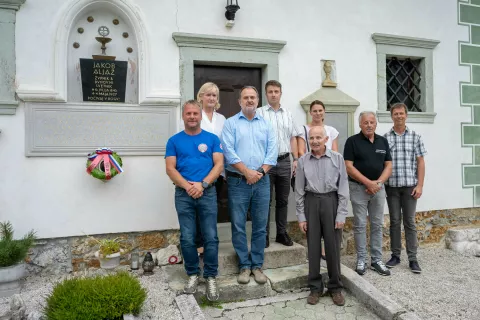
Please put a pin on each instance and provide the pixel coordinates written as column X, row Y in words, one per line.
column 230, row 80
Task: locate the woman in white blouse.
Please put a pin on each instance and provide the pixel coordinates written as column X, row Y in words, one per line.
column 317, row 111
column 208, row 96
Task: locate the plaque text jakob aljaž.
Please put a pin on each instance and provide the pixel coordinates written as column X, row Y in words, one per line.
column 103, row 80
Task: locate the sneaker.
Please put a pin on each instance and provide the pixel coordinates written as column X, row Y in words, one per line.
column 267, row 242
column 361, row 268
column 284, row 239
column 394, row 260
column 338, row 298
column 212, row 290
column 259, row 276
column 244, row 276
column 191, row 285
column 313, row 298
column 380, row 268
column 415, row 267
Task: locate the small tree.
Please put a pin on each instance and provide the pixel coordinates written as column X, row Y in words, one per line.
column 13, row 251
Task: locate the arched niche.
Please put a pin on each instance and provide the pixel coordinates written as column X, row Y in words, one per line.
column 82, row 44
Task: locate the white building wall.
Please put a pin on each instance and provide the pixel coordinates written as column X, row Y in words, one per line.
column 57, row 198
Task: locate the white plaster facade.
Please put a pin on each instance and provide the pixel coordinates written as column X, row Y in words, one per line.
column 56, row 197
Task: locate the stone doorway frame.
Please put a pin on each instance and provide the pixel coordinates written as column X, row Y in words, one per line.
column 225, row 51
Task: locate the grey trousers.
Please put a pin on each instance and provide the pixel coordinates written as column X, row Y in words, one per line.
column 280, row 176
column 321, row 211
column 364, row 204
column 401, row 203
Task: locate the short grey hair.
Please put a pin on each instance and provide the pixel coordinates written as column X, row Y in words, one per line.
column 192, row 103
column 366, row 113
column 322, row 128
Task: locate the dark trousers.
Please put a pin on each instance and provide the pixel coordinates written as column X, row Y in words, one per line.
column 321, row 212
column 218, row 187
column 402, row 204
column 280, row 176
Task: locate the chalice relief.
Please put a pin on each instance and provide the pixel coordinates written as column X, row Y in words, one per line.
column 328, row 68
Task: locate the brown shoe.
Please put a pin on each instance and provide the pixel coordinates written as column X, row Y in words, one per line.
column 338, row 298
column 313, row 298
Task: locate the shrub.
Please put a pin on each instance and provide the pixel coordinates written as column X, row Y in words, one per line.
column 96, row 298
column 13, row 251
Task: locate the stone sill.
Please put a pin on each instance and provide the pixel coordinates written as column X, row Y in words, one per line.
column 413, row 117
column 8, row 107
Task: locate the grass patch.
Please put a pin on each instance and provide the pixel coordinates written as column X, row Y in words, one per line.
column 97, row 298
column 204, row 302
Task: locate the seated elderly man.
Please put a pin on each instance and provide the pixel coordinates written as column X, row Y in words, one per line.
column 321, row 193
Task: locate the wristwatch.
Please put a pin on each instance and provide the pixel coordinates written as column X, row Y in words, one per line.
column 261, row 171
column 205, row 184
column 380, row 183
column 295, row 159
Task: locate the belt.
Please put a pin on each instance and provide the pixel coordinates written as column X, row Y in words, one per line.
column 283, row 156
column 235, row 175
column 319, row 195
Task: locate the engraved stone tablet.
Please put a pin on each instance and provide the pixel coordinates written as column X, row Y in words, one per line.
column 103, row 80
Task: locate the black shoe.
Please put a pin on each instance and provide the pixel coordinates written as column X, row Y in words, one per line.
column 267, row 243
column 394, row 260
column 415, row 267
column 380, row 268
column 284, row 239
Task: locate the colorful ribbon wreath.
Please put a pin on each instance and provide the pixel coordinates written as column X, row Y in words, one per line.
column 112, row 164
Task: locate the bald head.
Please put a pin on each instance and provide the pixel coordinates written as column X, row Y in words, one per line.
column 317, row 137
column 318, row 130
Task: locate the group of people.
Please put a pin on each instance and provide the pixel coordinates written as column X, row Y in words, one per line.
column 257, row 152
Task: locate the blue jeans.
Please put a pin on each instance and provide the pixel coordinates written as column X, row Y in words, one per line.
column 240, row 197
column 187, row 210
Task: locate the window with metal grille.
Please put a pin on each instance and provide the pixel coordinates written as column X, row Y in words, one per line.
column 404, row 85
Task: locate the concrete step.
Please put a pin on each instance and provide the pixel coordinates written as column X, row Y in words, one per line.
column 276, row 256
column 280, row 280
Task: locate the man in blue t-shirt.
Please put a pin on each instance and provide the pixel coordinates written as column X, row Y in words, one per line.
column 194, row 160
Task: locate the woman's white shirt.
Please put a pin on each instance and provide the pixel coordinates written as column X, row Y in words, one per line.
column 332, row 134
column 215, row 126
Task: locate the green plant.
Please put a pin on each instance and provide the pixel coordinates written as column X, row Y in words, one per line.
column 204, row 302
column 108, row 246
column 96, row 298
column 13, row 251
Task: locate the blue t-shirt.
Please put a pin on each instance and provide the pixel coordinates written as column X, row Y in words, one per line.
column 194, row 154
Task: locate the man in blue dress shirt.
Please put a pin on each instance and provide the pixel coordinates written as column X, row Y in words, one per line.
column 250, row 150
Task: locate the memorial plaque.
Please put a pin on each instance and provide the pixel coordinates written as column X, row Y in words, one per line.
column 103, row 80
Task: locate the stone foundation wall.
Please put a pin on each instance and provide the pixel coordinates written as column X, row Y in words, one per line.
column 432, row 227
column 63, row 255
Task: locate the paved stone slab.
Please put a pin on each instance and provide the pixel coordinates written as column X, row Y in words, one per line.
column 294, row 306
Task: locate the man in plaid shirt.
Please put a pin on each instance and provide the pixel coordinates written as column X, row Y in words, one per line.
column 404, row 186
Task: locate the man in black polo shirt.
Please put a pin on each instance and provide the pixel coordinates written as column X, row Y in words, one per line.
column 369, row 164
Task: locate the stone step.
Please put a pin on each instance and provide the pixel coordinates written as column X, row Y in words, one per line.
column 276, row 256
column 280, row 280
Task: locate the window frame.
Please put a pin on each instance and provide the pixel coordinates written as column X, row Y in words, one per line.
column 405, row 47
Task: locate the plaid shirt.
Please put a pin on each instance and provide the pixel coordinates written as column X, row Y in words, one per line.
column 404, row 148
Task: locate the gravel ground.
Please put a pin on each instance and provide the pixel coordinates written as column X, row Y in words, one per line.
column 448, row 287
column 159, row 305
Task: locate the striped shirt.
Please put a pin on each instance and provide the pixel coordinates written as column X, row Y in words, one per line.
column 405, row 148
column 283, row 126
